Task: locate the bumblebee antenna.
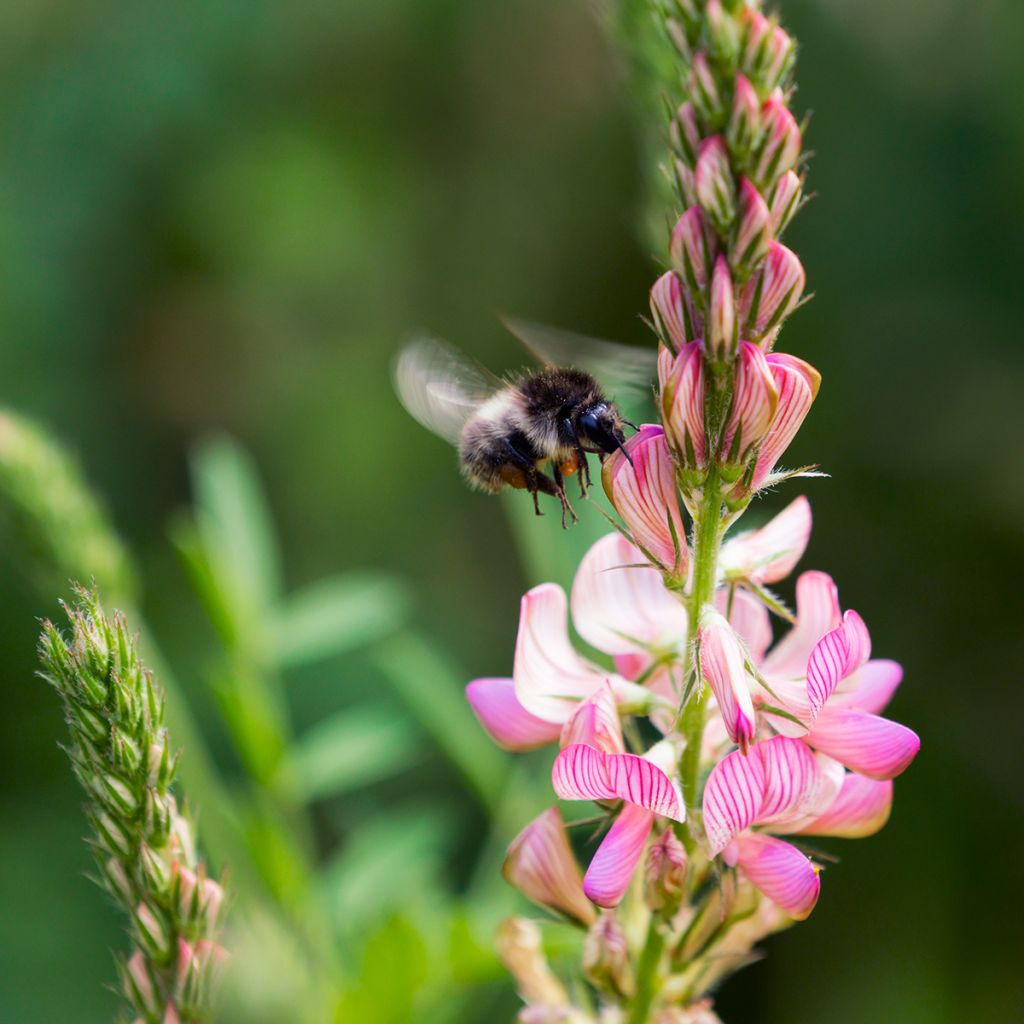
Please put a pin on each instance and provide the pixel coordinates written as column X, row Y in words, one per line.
column 622, row 448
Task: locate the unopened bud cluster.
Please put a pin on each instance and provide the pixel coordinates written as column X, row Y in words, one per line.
column 144, row 849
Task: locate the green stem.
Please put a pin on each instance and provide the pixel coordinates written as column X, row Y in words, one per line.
column 647, row 974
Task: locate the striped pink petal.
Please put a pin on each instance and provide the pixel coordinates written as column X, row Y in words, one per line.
column 540, row 863
column 643, row 490
column 690, row 249
column 596, row 723
column 868, row 744
column 749, row 618
column 838, row 654
column 869, row 689
column 817, row 611
column 550, row 677
column 753, row 404
column 785, row 201
column 786, row 876
column 770, row 554
column 793, row 779
column 624, row 611
column 682, row 405
column 797, row 384
column 669, row 313
column 733, row 797
column 612, row 866
column 722, row 666
column 861, row 809
column 509, row 724
column 580, row 772
column 639, row 781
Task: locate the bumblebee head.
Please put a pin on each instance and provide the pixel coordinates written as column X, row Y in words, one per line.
column 601, row 426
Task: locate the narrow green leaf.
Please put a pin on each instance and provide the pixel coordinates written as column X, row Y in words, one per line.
column 337, row 615
column 353, row 748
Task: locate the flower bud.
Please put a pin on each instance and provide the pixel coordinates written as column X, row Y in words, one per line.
column 157, row 871
column 690, row 250
column 665, row 875
column 722, row 667
column 113, row 835
column 212, row 899
column 640, row 482
column 723, row 34
column 773, row 293
column 721, row 323
column 541, row 865
column 124, row 751
column 703, row 91
column 785, row 201
column 767, row 51
column 713, row 181
column 160, row 812
column 780, row 145
column 753, row 231
column 682, row 405
column 117, row 880
column 745, row 123
column 151, row 930
column 519, row 947
column 606, row 956
column 139, row 985
column 685, row 184
column 684, row 134
column 754, row 398
column 673, row 320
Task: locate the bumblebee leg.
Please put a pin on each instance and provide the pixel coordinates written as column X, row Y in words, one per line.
column 560, row 484
column 541, row 483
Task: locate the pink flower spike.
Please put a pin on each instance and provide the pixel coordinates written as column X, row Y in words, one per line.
column 780, row 148
column 797, row 383
column 507, row 722
column 733, row 797
column 769, row 554
column 672, row 320
column 785, row 875
column 682, row 405
column 596, row 723
column 870, row 689
column 861, row 809
column 754, row 232
column 714, row 182
column 773, row 293
column 722, row 666
column 625, row 611
column 721, row 336
column 817, row 611
column 838, row 654
column 867, row 744
column 643, row 490
column 744, row 127
column 690, row 249
column 785, row 201
column 612, row 866
column 753, row 407
column 541, row 865
column 550, row 677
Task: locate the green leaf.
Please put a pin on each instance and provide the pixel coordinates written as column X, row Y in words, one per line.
column 433, row 690
column 337, row 615
column 353, row 748
column 234, row 522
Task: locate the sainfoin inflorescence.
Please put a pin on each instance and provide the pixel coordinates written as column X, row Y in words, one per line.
column 769, row 719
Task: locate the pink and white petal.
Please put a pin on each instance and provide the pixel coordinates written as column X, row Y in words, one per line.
column 580, row 772
column 749, row 618
column 870, row 688
column 722, row 666
column 791, row 696
column 797, row 384
column 596, row 723
column 831, row 777
column 817, row 611
column 612, row 866
column 861, row 809
column 623, row 611
column 785, row 875
column 873, row 746
column 666, row 682
column 507, row 722
column 769, row 554
column 792, row 779
column 550, row 677
column 733, row 798
column 638, row 781
column 838, row 654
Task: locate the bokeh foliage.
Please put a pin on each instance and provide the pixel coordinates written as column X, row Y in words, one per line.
column 220, row 217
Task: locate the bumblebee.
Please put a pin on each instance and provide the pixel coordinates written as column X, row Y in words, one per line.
column 508, row 432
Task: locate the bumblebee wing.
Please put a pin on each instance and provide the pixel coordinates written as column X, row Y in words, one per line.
column 616, row 366
column 439, row 386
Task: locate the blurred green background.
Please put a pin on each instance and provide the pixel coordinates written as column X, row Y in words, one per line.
column 219, row 218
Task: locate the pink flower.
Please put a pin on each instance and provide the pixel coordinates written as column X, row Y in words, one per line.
column 714, row 183
column 722, row 664
column 780, row 147
column 510, row 725
column 771, row 294
column 670, row 312
column 769, row 554
column 690, row 249
column 540, row 863
column 681, row 381
column 754, row 402
column 755, row 228
column 641, row 483
column 744, row 127
column 785, row 201
column 721, row 321
column 702, row 88
column 595, row 766
column 766, row 50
